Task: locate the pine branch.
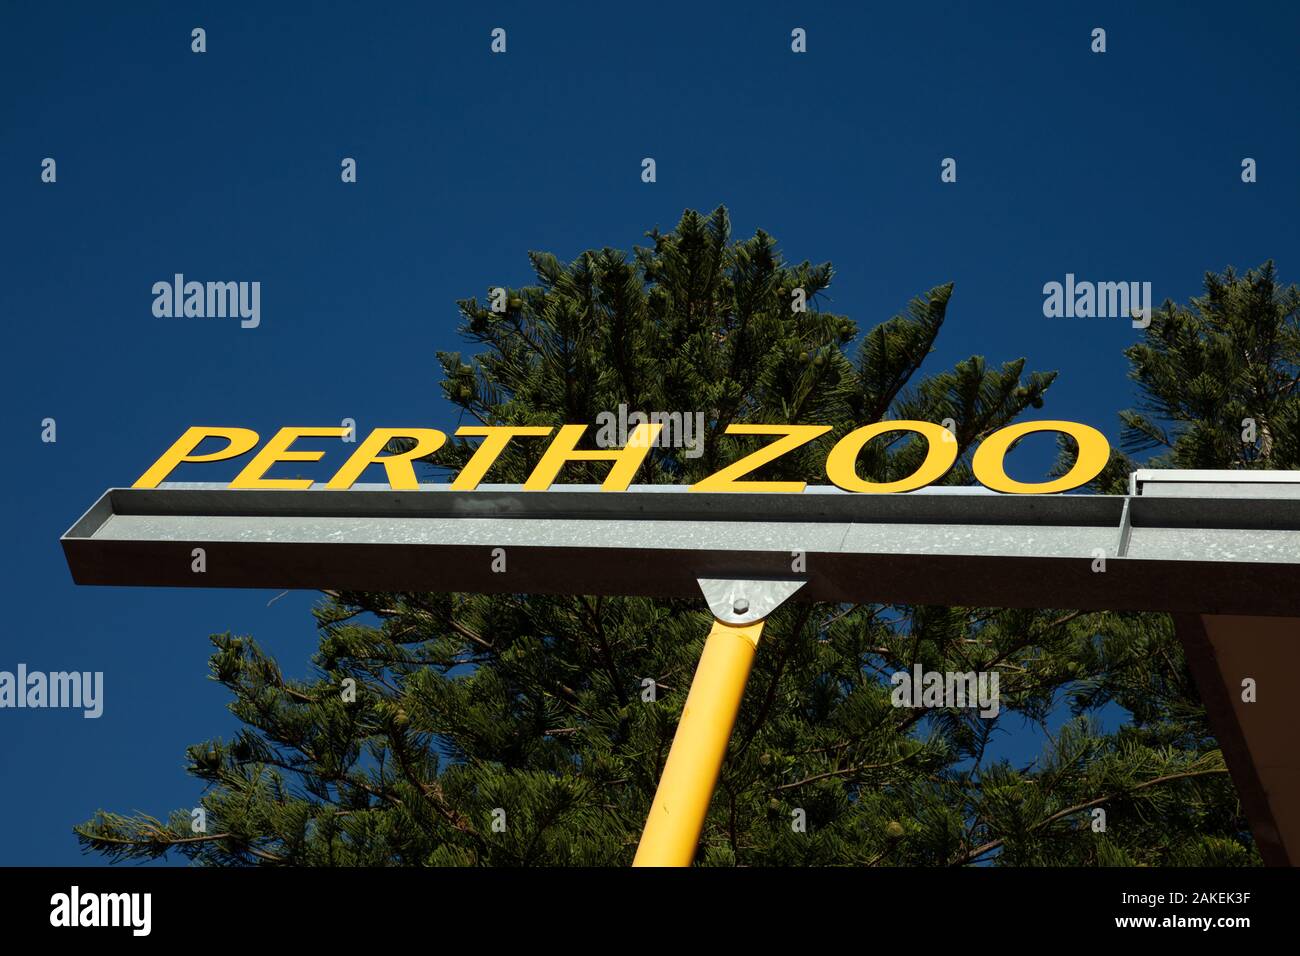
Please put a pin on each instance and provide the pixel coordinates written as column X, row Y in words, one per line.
column 1096, row 801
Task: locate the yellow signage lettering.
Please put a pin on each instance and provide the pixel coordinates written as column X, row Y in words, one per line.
column 398, row 468
column 990, row 467
column 728, row 478
column 239, row 441
column 495, row 438
column 277, row 449
column 988, row 462
column 563, row 449
column 841, row 463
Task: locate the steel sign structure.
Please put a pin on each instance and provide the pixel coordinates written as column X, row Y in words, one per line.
column 1219, row 550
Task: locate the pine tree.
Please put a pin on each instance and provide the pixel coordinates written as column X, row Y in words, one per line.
column 1220, row 380
column 512, row 730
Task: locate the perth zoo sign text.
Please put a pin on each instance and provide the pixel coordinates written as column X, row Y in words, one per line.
column 987, row 463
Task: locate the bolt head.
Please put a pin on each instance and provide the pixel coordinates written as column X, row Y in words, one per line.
column 741, row 606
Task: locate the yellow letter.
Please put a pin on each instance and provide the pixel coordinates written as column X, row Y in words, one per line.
column 495, row 438
column 398, row 468
column 988, row 464
column 277, row 449
column 726, row 479
column 626, row 459
column 842, row 462
column 240, row 439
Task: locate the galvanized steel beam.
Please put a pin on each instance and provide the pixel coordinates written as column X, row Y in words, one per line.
column 1229, row 555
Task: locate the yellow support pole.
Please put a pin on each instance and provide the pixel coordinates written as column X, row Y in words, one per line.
column 672, row 831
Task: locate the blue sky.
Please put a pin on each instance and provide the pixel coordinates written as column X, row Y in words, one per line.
column 225, row 166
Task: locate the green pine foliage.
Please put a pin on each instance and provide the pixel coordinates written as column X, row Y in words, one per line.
column 511, row 730
column 1218, row 380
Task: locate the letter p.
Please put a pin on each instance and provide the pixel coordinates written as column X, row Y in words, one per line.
column 239, row 441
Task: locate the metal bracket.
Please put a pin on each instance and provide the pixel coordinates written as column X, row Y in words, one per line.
column 1125, row 530
column 744, row 602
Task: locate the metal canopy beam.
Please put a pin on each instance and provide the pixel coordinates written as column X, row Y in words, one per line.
column 1204, row 554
